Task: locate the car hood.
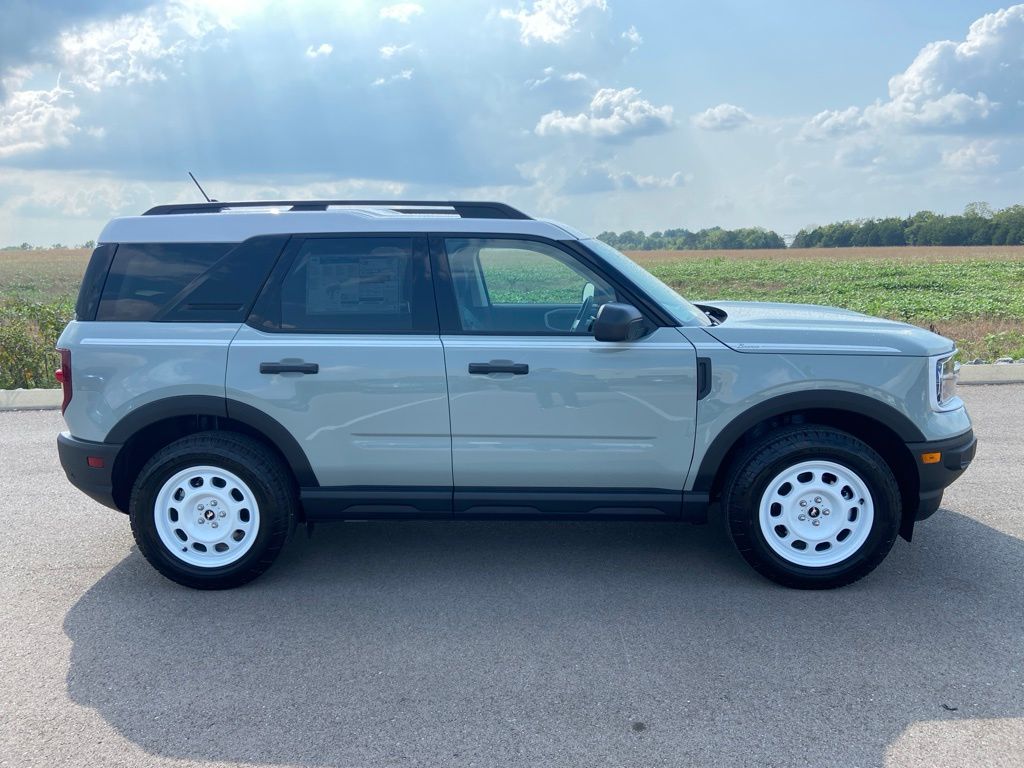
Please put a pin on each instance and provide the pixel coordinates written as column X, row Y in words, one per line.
column 766, row 327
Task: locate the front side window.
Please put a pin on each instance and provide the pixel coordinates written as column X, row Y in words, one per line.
column 506, row 286
column 357, row 285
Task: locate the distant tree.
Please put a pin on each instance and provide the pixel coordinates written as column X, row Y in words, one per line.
column 982, row 210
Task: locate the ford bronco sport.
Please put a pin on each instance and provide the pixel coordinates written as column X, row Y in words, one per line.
column 234, row 369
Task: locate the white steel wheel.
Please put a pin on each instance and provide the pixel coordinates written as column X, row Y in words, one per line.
column 206, row 516
column 816, row 513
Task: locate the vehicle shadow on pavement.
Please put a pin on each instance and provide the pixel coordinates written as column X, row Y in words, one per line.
column 551, row 644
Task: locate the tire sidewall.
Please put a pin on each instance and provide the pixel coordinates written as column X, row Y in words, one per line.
column 744, row 513
column 143, row 503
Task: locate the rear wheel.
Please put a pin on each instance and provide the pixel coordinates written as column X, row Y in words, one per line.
column 212, row 510
column 812, row 507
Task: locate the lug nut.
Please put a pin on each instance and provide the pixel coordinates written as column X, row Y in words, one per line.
column 827, row 512
column 213, row 503
column 201, row 507
column 803, row 503
column 222, row 513
column 802, row 517
column 213, row 524
column 202, row 520
column 813, row 522
column 817, row 499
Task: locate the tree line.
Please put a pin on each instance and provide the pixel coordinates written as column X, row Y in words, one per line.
column 977, row 225
column 712, row 239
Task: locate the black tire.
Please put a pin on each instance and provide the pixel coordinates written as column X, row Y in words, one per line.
column 767, row 457
column 269, row 480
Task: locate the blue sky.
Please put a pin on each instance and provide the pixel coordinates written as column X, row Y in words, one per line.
column 605, row 114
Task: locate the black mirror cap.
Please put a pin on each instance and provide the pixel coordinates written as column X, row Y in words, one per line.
column 618, row 322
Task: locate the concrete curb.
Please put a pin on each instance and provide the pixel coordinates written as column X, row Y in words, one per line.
column 49, row 399
column 992, row 374
column 30, row 399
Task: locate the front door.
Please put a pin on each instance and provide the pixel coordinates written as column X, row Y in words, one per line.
column 544, row 418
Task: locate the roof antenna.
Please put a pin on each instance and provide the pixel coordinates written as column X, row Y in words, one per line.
column 203, row 191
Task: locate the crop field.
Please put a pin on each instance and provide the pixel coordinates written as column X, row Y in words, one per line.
column 974, row 295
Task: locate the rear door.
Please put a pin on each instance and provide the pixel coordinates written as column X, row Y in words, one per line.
column 546, row 420
column 343, row 350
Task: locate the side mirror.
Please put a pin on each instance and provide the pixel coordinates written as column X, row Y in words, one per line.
column 618, row 322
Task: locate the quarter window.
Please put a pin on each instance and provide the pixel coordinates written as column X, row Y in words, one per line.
column 144, row 277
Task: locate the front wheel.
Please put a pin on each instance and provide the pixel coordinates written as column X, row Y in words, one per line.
column 812, row 507
column 212, row 510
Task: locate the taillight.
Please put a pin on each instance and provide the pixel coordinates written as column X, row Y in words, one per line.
column 63, row 375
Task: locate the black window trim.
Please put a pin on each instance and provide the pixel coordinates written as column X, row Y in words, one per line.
column 265, row 314
column 447, row 306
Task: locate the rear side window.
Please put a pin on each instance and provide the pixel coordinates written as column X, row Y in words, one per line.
column 226, row 291
column 145, row 277
column 358, row 285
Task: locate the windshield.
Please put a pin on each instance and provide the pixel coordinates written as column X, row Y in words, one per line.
column 682, row 310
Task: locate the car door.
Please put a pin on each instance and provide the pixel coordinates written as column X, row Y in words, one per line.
column 343, row 350
column 545, row 419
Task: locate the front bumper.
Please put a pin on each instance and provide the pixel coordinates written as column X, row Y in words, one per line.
column 955, row 455
column 94, row 481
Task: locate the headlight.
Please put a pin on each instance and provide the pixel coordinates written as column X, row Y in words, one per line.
column 944, row 378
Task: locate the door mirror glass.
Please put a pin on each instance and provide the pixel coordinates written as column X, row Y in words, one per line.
column 618, row 322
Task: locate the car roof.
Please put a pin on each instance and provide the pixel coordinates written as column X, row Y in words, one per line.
column 235, row 222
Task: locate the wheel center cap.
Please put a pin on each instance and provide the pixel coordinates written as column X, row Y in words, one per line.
column 813, row 512
column 209, row 514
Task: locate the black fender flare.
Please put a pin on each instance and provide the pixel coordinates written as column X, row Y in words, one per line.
column 208, row 405
column 811, row 400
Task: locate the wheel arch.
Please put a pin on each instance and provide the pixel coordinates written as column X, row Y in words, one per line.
column 878, row 424
column 149, row 428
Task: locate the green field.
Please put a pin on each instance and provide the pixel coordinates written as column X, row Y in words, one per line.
column 974, row 295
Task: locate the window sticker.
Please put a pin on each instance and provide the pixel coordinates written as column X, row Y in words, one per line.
column 366, row 284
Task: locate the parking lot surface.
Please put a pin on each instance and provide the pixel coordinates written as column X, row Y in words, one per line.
column 511, row 644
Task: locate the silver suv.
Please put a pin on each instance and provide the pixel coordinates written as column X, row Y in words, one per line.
column 237, row 368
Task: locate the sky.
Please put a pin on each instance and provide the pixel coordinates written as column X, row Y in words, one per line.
column 605, row 114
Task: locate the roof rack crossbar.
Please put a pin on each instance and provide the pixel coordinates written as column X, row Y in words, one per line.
column 467, row 210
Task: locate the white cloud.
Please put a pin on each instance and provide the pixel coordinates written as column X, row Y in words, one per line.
column 975, row 157
column 390, row 51
column 613, row 115
column 133, row 48
column 550, row 21
column 975, row 84
column 833, row 122
column 633, row 36
column 34, row 120
column 604, row 179
column 401, row 12
column 549, row 76
column 405, row 74
column 324, row 49
column 724, row 117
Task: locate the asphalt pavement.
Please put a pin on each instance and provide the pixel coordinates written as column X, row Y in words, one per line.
column 511, row 644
